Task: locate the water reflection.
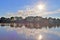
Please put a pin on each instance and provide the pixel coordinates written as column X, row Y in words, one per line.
column 30, row 31
column 15, row 25
column 40, row 37
column 28, row 25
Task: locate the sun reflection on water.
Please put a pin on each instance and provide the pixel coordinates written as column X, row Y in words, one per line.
column 40, row 37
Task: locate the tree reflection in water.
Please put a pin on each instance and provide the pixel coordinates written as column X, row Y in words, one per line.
column 29, row 25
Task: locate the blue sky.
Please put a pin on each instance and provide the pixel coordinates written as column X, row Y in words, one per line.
column 13, row 6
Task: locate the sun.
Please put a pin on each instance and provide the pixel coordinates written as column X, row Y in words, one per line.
column 41, row 7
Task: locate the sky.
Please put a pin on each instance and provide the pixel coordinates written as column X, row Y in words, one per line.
column 26, row 8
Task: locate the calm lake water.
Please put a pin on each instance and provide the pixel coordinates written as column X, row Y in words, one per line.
column 28, row 32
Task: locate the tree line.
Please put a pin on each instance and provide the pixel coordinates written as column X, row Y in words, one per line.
column 31, row 19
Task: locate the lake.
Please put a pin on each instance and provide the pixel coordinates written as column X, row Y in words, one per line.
column 13, row 31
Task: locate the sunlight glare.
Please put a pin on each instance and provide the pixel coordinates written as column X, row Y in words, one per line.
column 41, row 7
column 40, row 37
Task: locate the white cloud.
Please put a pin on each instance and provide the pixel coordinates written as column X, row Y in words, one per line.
column 32, row 12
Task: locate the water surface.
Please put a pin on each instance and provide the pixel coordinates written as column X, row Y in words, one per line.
column 28, row 32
